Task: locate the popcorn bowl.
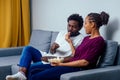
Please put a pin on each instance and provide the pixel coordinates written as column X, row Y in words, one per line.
column 56, row 60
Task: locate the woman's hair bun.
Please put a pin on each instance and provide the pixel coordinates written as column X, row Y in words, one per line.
column 104, row 17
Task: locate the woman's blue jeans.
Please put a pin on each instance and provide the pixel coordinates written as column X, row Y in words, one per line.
column 48, row 72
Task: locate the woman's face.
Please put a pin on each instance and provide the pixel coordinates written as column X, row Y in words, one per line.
column 88, row 25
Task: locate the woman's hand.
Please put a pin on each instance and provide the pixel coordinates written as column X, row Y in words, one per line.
column 67, row 37
column 55, row 63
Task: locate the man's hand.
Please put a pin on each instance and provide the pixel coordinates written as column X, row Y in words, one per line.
column 44, row 59
column 53, row 48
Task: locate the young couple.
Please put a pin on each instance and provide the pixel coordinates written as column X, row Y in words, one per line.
column 79, row 53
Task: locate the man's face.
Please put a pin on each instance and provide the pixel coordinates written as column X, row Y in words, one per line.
column 73, row 27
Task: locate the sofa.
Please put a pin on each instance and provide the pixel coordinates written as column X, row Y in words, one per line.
column 108, row 66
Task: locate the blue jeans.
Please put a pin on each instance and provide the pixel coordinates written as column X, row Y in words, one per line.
column 48, row 72
column 39, row 71
column 29, row 54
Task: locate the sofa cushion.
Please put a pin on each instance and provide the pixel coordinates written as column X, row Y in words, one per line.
column 54, row 35
column 5, row 65
column 109, row 73
column 119, row 56
column 4, row 70
column 108, row 57
column 117, row 60
column 41, row 40
column 9, row 60
column 14, row 68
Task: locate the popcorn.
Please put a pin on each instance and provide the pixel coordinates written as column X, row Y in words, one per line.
column 56, row 60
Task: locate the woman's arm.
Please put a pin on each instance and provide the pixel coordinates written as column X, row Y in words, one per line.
column 78, row 63
column 67, row 38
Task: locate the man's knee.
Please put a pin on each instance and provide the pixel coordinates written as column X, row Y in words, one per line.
column 28, row 47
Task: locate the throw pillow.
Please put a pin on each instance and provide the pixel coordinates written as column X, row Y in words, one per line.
column 108, row 57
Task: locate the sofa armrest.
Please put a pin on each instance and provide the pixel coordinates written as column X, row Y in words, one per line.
column 108, row 73
column 10, row 51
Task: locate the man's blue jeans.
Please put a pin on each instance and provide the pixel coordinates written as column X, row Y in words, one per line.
column 29, row 54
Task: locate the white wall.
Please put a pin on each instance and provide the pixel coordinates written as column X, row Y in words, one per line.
column 52, row 14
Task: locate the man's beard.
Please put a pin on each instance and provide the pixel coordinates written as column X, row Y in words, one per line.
column 72, row 34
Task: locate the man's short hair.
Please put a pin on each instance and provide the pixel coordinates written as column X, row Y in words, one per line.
column 76, row 17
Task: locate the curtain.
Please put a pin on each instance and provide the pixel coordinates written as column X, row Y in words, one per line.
column 14, row 23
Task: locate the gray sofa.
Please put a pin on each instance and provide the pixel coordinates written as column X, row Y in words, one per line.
column 108, row 67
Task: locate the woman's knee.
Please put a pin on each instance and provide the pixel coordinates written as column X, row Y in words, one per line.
column 35, row 67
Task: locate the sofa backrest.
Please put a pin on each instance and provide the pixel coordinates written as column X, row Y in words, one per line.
column 117, row 59
column 108, row 58
column 54, row 35
column 41, row 39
